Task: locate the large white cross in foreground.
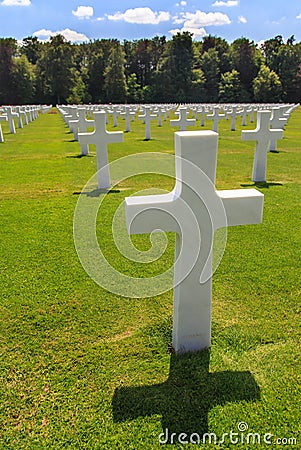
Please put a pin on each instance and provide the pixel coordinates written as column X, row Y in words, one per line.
column 194, row 210
column 101, row 138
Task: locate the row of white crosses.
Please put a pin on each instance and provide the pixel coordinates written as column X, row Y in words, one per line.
column 148, row 114
column 265, row 138
column 194, row 210
column 23, row 114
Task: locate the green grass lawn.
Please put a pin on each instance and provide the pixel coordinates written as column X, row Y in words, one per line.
column 82, row 368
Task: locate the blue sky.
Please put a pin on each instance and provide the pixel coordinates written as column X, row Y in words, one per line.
column 80, row 20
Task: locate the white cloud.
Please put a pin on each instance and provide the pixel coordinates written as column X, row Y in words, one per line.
column 229, row 3
column 177, row 20
column 298, row 16
column 83, row 12
column 196, row 32
column 242, row 19
column 195, row 22
column 16, row 3
column 202, row 19
column 70, row 35
column 141, row 16
column 260, row 43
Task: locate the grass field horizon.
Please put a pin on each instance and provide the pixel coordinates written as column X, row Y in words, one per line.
column 82, row 368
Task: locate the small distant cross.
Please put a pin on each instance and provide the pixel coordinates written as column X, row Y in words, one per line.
column 128, row 114
column 277, row 122
column 216, row 117
column 83, row 124
column 147, row 117
column 183, row 122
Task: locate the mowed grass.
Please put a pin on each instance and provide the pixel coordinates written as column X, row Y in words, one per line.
column 82, row 368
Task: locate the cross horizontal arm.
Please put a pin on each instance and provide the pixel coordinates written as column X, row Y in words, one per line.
column 88, row 138
column 147, row 213
column 242, row 207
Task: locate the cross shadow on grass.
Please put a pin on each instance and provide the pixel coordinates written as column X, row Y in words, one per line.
column 261, row 184
column 187, row 396
column 79, row 156
column 98, row 192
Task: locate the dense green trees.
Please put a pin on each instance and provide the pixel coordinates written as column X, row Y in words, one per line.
column 149, row 70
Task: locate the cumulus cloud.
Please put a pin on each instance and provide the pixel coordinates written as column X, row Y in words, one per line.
column 202, row 19
column 298, row 16
column 16, row 3
column 83, row 12
column 70, row 35
column 242, row 19
column 182, row 3
column 195, row 22
column 141, row 16
column 196, row 32
column 229, row 3
column 260, row 43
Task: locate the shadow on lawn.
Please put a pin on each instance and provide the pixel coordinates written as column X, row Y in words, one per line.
column 98, row 192
column 261, row 184
column 79, row 156
column 187, row 396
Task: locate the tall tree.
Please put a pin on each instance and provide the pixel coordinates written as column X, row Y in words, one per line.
column 289, row 60
column 210, row 67
column 31, row 48
column 230, row 88
column 114, row 77
column 247, row 60
column 222, row 47
column 267, row 86
column 175, row 69
column 8, row 48
column 23, row 81
column 270, row 49
column 55, row 70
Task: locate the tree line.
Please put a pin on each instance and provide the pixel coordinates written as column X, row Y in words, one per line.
column 149, row 70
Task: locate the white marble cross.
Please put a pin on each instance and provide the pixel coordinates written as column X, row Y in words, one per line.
column 3, row 118
column 28, row 114
column 10, row 117
column 245, row 112
column 262, row 135
column 147, row 117
column 18, row 111
column 278, row 122
column 182, row 121
column 202, row 112
column 216, row 117
column 23, row 116
column 127, row 114
column 161, row 112
column 83, row 124
column 194, row 210
column 234, row 113
column 116, row 112
column 101, row 138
